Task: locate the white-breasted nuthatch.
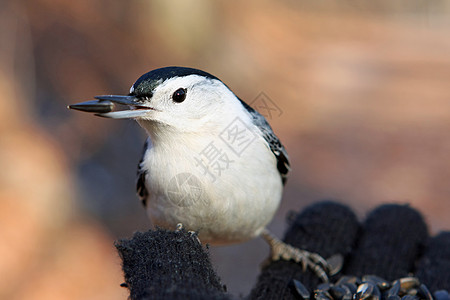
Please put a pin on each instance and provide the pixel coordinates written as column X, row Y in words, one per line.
column 211, row 162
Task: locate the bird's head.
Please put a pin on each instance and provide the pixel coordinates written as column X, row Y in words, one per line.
column 182, row 98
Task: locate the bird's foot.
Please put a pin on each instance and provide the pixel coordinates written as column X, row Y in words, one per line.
column 321, row 267
column 192, row 233
column 179, row 227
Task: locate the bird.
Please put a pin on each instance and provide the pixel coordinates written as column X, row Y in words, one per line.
column 211, row 163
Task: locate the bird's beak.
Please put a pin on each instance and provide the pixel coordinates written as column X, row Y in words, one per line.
column 105, row 104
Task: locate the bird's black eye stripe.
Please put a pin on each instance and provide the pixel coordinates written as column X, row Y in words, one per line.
column 179, row 95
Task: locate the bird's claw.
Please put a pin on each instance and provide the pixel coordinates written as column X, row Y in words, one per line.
column 193, row 234
column 307, row 259
column 179, row 227
column 321, row 267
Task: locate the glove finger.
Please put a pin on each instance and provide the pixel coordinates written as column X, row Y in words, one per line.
column 389, row 244
column 165, row 264
column 434, row 267
column 326, row 228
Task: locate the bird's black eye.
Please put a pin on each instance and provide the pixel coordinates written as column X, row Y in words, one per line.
column 179, row 95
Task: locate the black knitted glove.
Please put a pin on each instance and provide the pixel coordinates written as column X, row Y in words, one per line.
column 165, row 264
column 392, row 243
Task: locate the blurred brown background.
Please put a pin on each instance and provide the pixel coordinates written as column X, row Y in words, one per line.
column 362, row 87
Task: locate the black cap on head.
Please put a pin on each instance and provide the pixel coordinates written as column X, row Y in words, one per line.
column 145, row 85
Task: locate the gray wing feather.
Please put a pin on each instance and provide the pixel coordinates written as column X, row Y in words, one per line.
column 141, row 189
column 274, row 143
